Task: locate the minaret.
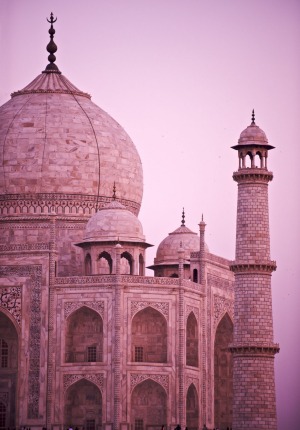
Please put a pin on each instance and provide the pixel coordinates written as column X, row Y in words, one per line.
column 254, row 405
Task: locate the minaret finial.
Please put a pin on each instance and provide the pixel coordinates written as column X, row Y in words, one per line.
column 114, row 192
column 253, row 118
column 51, row 48
column 202, row 218
column 183, row 218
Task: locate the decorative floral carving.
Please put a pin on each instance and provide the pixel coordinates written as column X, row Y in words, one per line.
column 137, row 378
column 97, row 379
column 162, row 307
column 70, row 307
column 10, row 299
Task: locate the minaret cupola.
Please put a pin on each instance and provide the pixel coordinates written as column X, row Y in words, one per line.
column 253, row 147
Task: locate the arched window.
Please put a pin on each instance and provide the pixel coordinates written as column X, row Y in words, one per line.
column 223, row 374
column 249, row 160
column 195, row 275
column 88, row 265
column 141, row 265
column 104, row 263
column 148, row 406
column 192, row 341
column 126, row 263
column 84, row 337
column 149, row 337
column 192, row 408
column 83, row 405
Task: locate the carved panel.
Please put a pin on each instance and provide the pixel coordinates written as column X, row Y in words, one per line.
column 137, row 378
column 97, row 379
column 70, row 307
column 162, row 307
column 10, row 299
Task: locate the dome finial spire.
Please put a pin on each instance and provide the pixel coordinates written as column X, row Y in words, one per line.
column 114, row 191
column 253, row 117
column 51, row 48
column 183, row 218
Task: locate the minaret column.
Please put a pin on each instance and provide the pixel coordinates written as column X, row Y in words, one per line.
column 254, row 404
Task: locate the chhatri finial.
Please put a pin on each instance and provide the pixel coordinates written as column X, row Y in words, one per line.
column 253, row 118
column 183, row 218
column 51, row 48
column 114, row 192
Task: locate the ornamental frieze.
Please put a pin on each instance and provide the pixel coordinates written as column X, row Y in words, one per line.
column 70, row 379
column 70, row 307
column 137, row 378
column 221, row 306
column 162, row 307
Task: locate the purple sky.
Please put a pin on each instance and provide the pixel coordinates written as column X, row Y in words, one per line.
column 182, row 76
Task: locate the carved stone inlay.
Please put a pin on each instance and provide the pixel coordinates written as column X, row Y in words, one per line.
column 193, row 309
column 97, row 379
column 34, row 273
column 162, row 307
column 70, row 307
column 10, row 299
column 137, row 378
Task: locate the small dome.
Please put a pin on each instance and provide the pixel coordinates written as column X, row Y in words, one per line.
column 182, row 237
column 253, row 134
column 114, row 223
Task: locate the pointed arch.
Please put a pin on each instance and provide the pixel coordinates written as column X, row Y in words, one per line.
column 88, row 265
column 84, row 336
column 126, row 263
column 149, row 336
column 104, row 261
column 83, row 405
column 148, row 406
column 223, row 382
column 192, row 344
column 192, row 408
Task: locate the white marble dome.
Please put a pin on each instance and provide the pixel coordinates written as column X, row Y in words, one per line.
column 114, row 222
column 252, row 134
column 182, row 237
column 55, row 141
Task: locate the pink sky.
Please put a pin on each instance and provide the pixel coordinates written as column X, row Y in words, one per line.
column 182, row 78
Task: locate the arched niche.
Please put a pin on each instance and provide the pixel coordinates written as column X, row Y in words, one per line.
column 223, row 382
column 192, row 344
column 195, row 275
column 126, row 263
column 104, row 264
column 9, row 354
column 83, row 406
column 84, row 336
column 149, row 336
column 192, row 408
column 148, row 406
column 88, row 265
column 141, row 265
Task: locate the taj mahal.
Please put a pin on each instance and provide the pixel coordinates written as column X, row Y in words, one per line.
column 87, row 339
